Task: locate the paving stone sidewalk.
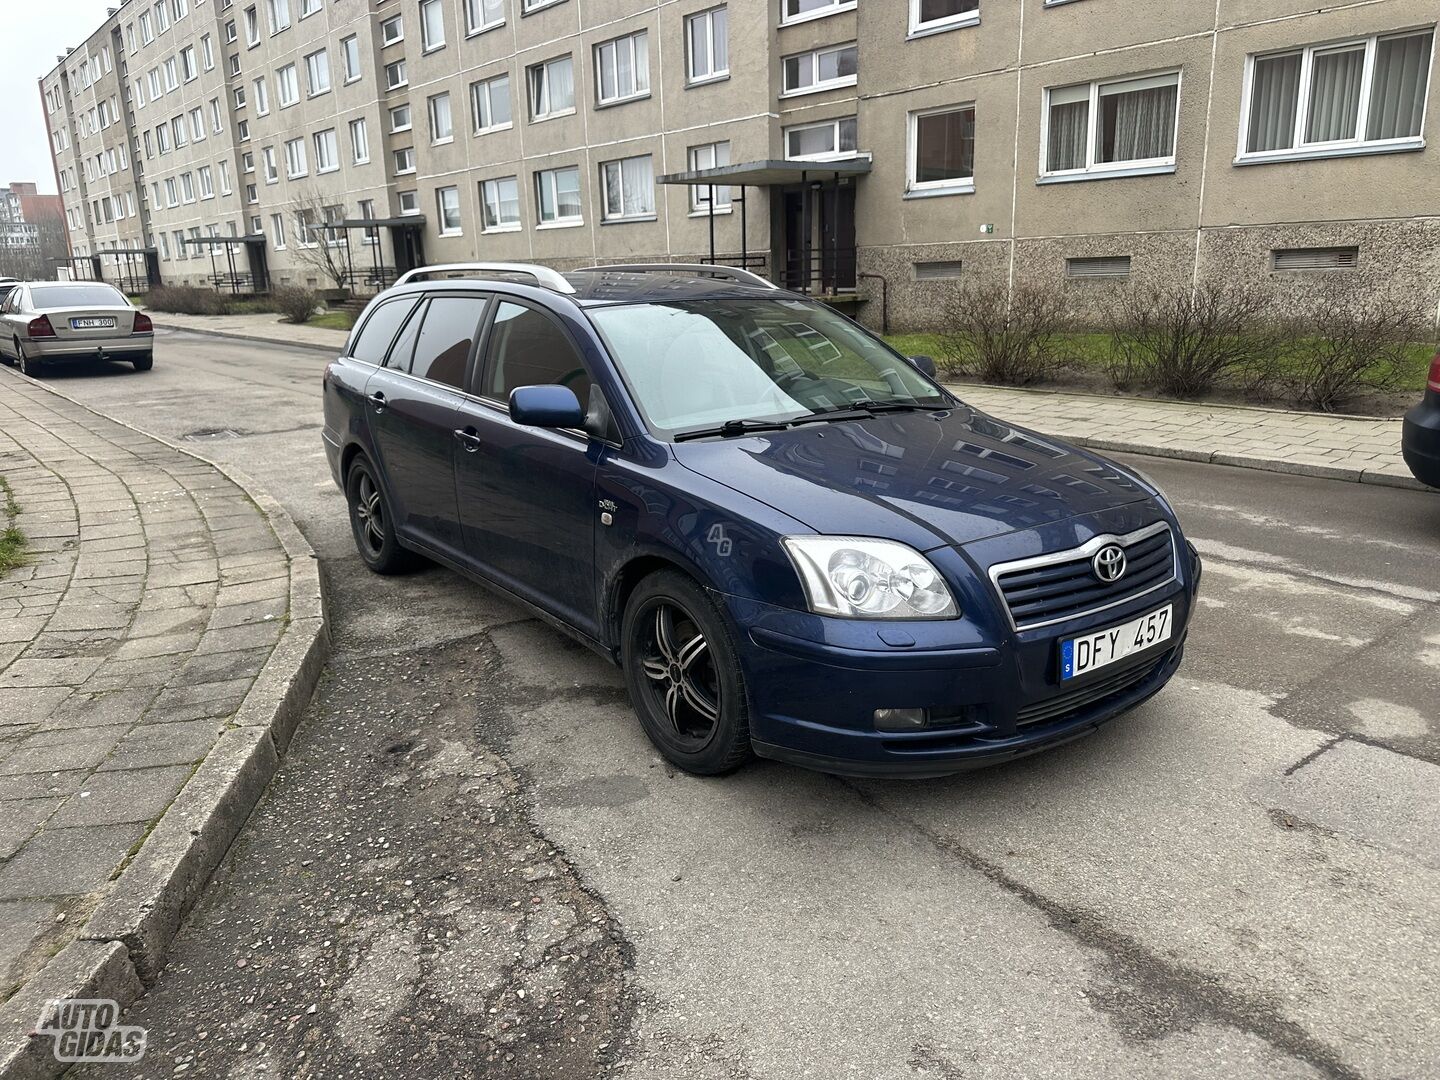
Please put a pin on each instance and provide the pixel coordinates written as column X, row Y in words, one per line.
column 154, row 596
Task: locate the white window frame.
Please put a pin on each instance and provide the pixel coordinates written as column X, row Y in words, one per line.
column 412, row 198
column 397, row 66
column 817, row 85
column 261, row 96
column 835, row 155
column 440, row 209
column 959, row 185
column 1093, row 169
column 396, row 24
column 326, row 140
column 715, row 74
column 252, row 27
column 638, row 44
column 542, row 70
column 541, row 177
column 320, row 66
column 398, row 125
column 473, row 7
column 348, row 46
column 427, row 42
column 919, row 28
column 407, row 170
column 485, row 86
column 277, row 225
column 189, row 69
column 206, row 179
column 207, row 53
column 278, row 14
column 359, row 141
column 284, row 82
column 700, row 193
column 1302, row 150
column 835, row 7
column 432, row 110
column 605, row 215
column 310, row 7
column 485, row 202
column 269, row 164
column 296, row 165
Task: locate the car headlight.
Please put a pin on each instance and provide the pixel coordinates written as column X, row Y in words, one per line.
column 860, row 578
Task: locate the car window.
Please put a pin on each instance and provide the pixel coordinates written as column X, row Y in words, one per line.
column 404, row 347
column 442, row 350
column 60, row 296
column 528, row 348
column 379, row 330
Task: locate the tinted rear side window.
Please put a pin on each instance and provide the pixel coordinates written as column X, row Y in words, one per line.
column 443, row 348
column 528, row 348
column 53, row 296
column 379, row 331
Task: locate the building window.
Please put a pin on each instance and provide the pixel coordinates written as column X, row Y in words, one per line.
column 707, row 46
column 262, row 97
column 709, row 156
column 225, row 188
column 277, row 230
column 482, row 15
column 442, row 129
column 252, row 28
column 395, row 75
column 447, row 205
column 400, row 118
column 295, row 158
column 350, row 54
column 1314, row 101
column 500, row 201
column 557, row 194
column 392, row 30
column 622, row 68
column 370, row 236
column 327, row 154
column 187, row 63
column 527, row 6
column 267, row 159
column 230, row 34
column 490, row 103
column 317, row 72
column 404, row 160
column 279, row 11
column 1124, row 126
column 801, row 10
column 1331, row 258
column 629, row 186
column 1106, row 266
column 216, row 117
column 287, row 85
column 309, row 7
column 819, row 142
column 162, row 17
column 927, row 16
column 408, row 201
column 187, row 188
column 822, row 69
column 432, row 25
column 242, row 131
column 172, row 80
column 207, row 53
column 359, row 141
column 942, row 150
column 552, row 88
column 207, row 182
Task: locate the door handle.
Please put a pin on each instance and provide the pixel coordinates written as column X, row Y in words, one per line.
column 378, row 400
column 469, row 437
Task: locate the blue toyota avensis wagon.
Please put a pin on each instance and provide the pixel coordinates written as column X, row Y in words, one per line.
column 793, row 541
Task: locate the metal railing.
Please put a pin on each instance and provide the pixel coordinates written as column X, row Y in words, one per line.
column 830, row 271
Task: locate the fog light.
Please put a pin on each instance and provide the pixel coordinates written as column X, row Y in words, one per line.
column 901, row 719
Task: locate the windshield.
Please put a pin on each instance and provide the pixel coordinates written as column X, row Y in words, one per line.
column 693, row 365
column 61, row 296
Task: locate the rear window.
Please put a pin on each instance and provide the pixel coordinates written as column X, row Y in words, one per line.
column 379, row 331
column 56, row 296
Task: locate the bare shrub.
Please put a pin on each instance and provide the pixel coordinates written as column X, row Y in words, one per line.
column 187, row 300
column 1341, row 342
column 1001, row 336
column 1183, row 340
column 296, row 304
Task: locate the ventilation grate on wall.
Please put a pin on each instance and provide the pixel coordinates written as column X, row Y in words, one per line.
column 935, row 271
column 1328, row 258
column 1108, row 266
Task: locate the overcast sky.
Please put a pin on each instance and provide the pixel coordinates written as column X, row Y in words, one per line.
column 34, row 33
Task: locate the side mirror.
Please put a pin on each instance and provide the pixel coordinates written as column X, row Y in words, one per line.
column 546, row 407
column 924, row 364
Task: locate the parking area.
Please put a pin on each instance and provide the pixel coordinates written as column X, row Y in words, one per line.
column 472, row 861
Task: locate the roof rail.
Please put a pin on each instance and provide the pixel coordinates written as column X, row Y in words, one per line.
column 733, row 273
column 544, row 276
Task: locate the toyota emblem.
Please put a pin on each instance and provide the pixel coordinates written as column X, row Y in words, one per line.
column 1109, row 563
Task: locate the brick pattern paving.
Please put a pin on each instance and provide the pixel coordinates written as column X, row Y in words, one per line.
column 1314, row 444
column 154, row 593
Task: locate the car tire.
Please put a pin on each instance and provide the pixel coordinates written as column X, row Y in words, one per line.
column 371, row 521
column 28, row 367
column 145, row 363
column 684, row 677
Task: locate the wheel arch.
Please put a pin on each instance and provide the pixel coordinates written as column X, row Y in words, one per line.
column 626, row 578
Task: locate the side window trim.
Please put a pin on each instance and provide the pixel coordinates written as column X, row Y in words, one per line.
column 361, row 327
column 416, row 317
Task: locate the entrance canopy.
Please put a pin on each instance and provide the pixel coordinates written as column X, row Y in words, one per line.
column 233, row 279
column 769, row 173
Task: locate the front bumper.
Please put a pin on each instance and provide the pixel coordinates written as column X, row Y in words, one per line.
column 1420, row 440
column 815, row 684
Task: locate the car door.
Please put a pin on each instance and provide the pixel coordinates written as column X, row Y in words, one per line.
column 526, row 494
column 7, row 322
column 412, row 403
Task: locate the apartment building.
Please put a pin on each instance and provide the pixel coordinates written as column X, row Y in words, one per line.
column 23, row 210
column 874, row 151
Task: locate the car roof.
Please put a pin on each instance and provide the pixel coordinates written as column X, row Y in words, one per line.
column 598, row 288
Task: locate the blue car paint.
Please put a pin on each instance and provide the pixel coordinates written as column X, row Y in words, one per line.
column 965, row 488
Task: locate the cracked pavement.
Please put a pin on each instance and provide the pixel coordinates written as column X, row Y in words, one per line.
column 472, row 863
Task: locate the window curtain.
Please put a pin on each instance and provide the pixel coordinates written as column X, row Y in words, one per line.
column 1069, row 122
column 1274, row 97
column 1138, row 125
column 1397, row 97
column 561, row 76
column 1335, row 96
column 639, row 186
column 567, row 193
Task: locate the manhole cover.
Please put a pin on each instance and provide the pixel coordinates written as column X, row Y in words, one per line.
column 208, row 434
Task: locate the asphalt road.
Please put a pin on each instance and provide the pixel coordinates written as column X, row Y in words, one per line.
column 472, row 863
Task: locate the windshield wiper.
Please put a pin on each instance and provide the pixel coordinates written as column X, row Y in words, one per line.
column 732, row 428
column 866, row 410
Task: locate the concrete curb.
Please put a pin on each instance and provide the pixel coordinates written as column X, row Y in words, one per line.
column 232, row 336
column 126, row 940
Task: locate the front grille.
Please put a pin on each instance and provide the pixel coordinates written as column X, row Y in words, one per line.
column 1084, row 697
column 1053, row 588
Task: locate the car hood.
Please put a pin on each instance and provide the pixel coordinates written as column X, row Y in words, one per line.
column 924, row 478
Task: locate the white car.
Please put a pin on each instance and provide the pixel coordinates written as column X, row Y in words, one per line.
column 54, row 321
